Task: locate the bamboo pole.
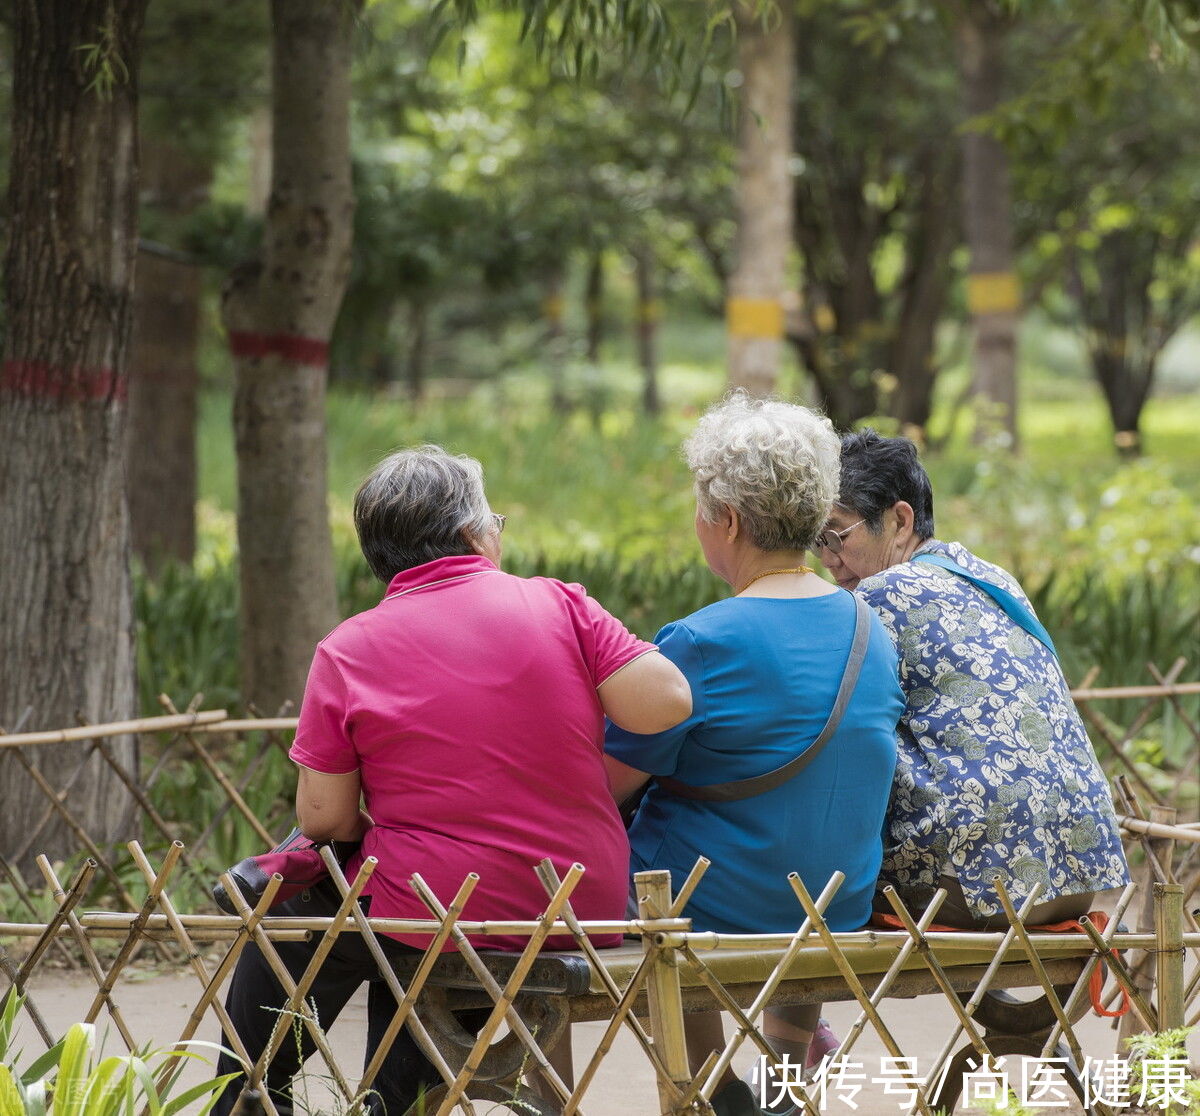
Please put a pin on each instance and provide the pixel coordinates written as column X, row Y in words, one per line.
column 10, row 971
column 104, row 998
column 296, row 1000
column 1189, row 832
column 75, row 893
column 492, row 987
column 550, row 880
column 419, row 1033
column 214, row 769
column 1159, row 853
column 1168, row 928
column 1121, row 974
column 1040, row 970
column 860, row 993
column 653, row 890
column 130, row 945
column 171, row 1068
column 115, row 728
column 108, row 924
column 304, row 1011
column 794, row 946
column 405, row 1006
column 1120, row 693
column 1082, row 985
column 511, row 988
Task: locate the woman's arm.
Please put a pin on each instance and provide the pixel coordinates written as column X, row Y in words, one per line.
column 623, row 781
column 327, row 806
column 647, row 695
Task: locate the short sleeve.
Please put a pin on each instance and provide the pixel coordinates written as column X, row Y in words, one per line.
column 323, row 734
column 658, row 753
column 610, row 645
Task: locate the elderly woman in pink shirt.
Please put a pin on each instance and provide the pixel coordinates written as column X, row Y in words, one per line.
column 456, row 727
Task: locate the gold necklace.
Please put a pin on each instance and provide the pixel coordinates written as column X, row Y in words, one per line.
column 771, row 573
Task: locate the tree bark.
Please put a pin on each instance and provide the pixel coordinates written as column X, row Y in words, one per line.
column 66, row 643
column 992, row 293
column 594, row 306
column 553, row 306
column 163, row 380
column 418, row 350
column 924, row 288
column 280, row 312
column 758, row 281
column 648, row 314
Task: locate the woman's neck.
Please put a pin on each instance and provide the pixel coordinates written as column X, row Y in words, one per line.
column 774, row 573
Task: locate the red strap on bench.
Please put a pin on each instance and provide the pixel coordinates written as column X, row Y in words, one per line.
column 1099, row 919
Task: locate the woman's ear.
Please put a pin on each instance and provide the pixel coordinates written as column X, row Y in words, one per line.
column 731, row 521
column 904, row 518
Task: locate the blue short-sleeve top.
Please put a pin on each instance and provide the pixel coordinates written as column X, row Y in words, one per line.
column 764, row 673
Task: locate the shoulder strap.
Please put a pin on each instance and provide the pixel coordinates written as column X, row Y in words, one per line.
column 760, row 784
column 1013, row 607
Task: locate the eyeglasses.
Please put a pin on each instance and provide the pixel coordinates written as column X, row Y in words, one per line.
column 832, row 540
column 499, row 520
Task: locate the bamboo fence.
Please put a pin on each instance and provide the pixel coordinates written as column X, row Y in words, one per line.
column 235, row 801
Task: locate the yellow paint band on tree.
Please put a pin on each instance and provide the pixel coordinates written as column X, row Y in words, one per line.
column 552, row 307
column 754, row 317
column 650, row 312
column 993, row 292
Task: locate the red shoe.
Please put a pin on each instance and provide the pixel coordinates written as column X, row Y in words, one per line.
column 824, row 1044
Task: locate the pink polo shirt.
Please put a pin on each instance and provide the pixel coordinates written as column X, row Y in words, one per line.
column 466, row 700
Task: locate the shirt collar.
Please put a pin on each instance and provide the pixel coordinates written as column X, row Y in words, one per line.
column 440, row 569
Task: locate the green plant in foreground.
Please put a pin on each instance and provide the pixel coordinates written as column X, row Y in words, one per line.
column 67, row 1080
column 1178, row 1092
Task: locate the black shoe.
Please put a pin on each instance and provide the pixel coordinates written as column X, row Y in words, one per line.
column 735, row 1099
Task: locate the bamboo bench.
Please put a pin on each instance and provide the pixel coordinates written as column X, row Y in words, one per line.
column 565, row 987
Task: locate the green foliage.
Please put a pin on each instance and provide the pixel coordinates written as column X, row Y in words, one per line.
column 1165, row 1048
column 70, row 1079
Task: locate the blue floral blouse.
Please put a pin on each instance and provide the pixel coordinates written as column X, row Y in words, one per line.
column 995, row 776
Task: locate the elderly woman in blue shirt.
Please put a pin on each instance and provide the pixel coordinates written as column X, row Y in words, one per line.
column 765, row 666
column 996, row 778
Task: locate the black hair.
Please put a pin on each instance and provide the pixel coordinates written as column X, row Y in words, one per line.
column 877, row 472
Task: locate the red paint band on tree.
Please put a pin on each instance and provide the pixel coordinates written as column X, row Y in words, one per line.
column 38, row 379
column 297, row 350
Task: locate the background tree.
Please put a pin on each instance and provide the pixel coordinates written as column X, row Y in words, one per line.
column 758, row 281
column 875, row 206
column 280, row 310
column 197, row 80
column 1109, row 184
column 67, row 638
column 993, row 294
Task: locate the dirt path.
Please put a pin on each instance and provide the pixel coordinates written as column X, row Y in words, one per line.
column 157, row 1005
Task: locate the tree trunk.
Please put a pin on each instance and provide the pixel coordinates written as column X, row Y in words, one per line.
column 649, row 313
column 924, row 286
column 280, row 312
column 758, row 282
column 1126, row 388
column 418, row 350
column 553, row 306
column 161, row 477
column 594, row 306
column 993, row 296
column 66, row 643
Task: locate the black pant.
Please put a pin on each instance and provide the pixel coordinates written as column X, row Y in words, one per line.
column 255, row 998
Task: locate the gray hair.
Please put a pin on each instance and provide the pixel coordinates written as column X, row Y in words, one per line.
column 774, row 463
column 419, row 505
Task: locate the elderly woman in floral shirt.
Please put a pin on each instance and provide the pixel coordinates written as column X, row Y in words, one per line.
column 996, row 778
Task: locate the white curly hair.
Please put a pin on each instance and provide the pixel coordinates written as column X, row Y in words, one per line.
column 776, row 464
